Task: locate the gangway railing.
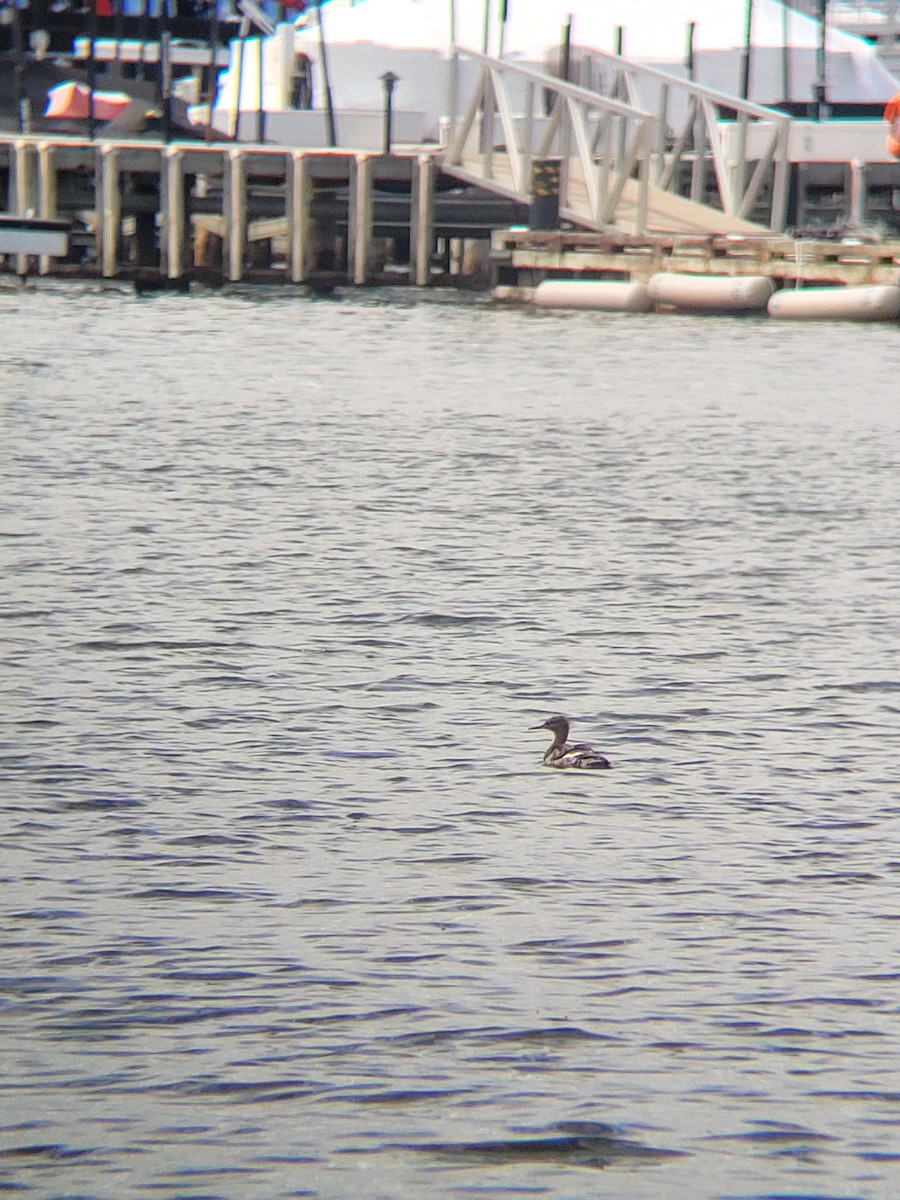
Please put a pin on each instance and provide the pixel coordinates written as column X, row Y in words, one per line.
column 625, row 140
column 698, row 126
column 514, row 116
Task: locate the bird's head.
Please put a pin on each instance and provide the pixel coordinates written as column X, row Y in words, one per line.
column 557, row 725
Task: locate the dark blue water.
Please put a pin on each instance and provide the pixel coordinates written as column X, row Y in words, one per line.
column 290, row 907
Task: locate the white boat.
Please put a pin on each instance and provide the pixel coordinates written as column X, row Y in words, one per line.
column 876, row 21
column 412, row 40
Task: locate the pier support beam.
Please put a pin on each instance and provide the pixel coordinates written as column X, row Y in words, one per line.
column 47, row 195
column 300, row 213
column 109, row 209
column 360, row 219
column 22, row 182
column 698, row 168
column 23, row 189
column 421, row 233
column 172, row 203
column 640, row 220
column 235, row 204
column 781, row 182
column 858, row 196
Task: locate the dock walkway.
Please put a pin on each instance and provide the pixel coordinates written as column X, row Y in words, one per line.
column 620, row 164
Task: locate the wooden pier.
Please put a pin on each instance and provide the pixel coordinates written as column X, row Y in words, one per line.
column 163, row 214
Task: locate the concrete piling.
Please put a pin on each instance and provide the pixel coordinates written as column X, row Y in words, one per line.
column 173, row 213
column 235, row 213
column 300, row 216
column 359, row 219
column 47, row 194
column 109, row 206
column 422, row 220
column 23, row 188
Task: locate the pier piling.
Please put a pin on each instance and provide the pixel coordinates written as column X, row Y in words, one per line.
column 235, row 214
column 359, row 219
column 47, row 194
column 23, row 186
column 174, row 227
column 421, row 234
column 109, row 221
column 300, row 216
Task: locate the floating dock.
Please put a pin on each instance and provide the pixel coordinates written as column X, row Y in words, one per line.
column 788, row 278
column 523, row 258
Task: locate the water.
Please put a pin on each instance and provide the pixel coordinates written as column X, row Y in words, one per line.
column 291, row 908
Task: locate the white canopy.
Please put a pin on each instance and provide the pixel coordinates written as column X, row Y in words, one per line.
column 412, row 37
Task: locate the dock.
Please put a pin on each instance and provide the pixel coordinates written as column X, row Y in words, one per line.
column 525, row 258
column 164, row 214
column 584, row 186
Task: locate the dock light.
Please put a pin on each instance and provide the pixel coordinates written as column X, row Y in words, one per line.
column 819, row 90
column 388, row 79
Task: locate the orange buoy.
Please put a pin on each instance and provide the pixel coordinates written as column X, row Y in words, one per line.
column 892, row 116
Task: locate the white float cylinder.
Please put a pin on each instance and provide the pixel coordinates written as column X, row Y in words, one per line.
column 710, row 293
column 872, row 302
column 609, row 295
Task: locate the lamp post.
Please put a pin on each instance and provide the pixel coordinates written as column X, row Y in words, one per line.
column 388, row 79
column 330, row 125
column 820, row 85
column 747, row 51
column 92, row 65
column 212, row 78
column 689, row 50
column 165, row 69
column 19, row 68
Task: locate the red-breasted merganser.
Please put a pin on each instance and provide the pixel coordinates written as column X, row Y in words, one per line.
column 562, row 755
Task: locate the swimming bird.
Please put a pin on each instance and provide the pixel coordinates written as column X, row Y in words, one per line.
column 562, row 755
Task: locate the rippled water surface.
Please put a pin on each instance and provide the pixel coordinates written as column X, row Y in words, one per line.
column 291, row 908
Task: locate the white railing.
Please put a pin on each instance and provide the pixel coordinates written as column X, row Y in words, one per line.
column 514, row 116
column 624, row 133
column 695, row 130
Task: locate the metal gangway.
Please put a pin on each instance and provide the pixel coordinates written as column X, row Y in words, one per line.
column 624, row 164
